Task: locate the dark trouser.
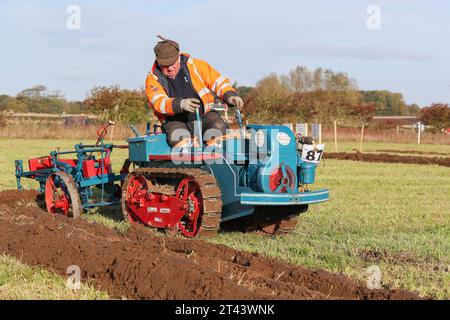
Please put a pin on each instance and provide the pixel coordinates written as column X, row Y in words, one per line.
column 213, row 126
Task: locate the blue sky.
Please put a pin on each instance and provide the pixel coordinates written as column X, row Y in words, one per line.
column 245, row 40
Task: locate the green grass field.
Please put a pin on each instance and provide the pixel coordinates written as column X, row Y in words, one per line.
column 19, row 281
column 394, row 216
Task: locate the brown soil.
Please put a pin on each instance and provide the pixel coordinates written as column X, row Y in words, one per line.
column 139, row 265
column 414, row 152
column 389, row 158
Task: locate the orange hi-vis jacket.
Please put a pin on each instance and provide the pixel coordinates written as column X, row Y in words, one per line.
column 205, row 80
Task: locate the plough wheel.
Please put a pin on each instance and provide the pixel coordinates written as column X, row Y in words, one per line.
column 61, row 195
column 278, row 220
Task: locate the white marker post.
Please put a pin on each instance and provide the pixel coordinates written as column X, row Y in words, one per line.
column 301, row 128
column 418, row 132
column 289, row 125
column 316, row 132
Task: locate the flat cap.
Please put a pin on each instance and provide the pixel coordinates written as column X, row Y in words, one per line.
column 167, row 52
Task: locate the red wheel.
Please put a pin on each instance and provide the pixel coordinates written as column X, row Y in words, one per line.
column 135, row 188
column 61, row 195
column 282, row 179
column 188, row 190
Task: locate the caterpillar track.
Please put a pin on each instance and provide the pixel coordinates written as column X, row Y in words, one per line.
column 278, row 220
column 166, row 181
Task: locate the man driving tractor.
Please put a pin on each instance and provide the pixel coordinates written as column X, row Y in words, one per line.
column 178, row 85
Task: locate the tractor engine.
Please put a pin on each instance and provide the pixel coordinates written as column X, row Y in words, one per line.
column 277, row 165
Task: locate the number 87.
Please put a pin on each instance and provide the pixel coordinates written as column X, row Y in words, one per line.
column 311, row 155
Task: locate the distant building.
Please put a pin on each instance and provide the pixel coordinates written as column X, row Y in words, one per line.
column 393, row 121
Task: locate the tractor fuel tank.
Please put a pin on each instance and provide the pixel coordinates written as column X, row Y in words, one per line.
column 306, row 172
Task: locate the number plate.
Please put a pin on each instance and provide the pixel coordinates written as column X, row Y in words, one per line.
column 312, row 154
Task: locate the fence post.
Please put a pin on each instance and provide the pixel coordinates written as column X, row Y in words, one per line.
column 116, row 111
column 335, row 136
column 362, row 137
column 111, row 134
column 320, row 133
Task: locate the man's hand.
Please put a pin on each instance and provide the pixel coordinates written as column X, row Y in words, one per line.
column 305, row 140
column 236, row 101
column 190, row 104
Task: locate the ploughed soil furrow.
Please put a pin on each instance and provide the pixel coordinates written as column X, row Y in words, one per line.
column 389, row 158
column 427, row 153
column 139, row 265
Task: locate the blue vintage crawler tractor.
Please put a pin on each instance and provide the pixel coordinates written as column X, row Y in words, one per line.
column 260, row 175
column 263, row 172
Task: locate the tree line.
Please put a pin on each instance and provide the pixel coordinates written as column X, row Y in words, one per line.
column 319, row 95
column 39, row 99
column 301, row 95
